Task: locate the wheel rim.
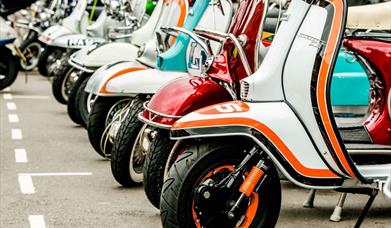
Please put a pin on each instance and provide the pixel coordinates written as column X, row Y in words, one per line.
column 52, row 58
column 4, row 70
column 115, row 109
column 31, row 53
column 69, row 81
column 245, row 220
column 137, row 158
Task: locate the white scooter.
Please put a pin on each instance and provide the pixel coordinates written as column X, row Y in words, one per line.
column 116, row 14
column 75, row 23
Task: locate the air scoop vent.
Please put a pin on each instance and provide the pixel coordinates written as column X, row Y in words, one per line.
column 244, row 89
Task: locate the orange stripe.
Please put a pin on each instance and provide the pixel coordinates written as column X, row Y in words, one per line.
column 182, row 16
column 322, row 83
column 119, row 73
column 319, row 173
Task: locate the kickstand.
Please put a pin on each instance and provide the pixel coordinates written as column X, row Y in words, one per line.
column 309, row 202
column 364, row 212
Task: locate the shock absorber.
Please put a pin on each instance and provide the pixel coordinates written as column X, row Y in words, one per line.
column 250, row 182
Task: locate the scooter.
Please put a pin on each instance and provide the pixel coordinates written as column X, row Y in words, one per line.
column 116, row 14
column 36, row 22
column 171, row 103
column 171, row 13
column 8, row 62
column 228, row 176
column 75, row 23
column 218, row 83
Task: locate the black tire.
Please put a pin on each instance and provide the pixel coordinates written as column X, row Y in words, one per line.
column 123, row 147
column 30, row 41
column 155, row 163
column 178, row 189
column 45, row 59
column 74, row 98
column 8, row 68
column 98, row 120
column 61, row 87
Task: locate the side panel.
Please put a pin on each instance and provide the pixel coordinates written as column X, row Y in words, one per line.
column 141, row 82
column 53, row 32
column 267, row 78
column 76, row 41
column 269, row 124
column 99, row 79
column 298, row 73
column 106, row 53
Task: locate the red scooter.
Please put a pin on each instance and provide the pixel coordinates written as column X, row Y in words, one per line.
column 373, row 51
column 220, row 82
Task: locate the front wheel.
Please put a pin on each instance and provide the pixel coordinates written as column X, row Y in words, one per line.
column 191, row 196
column 155, row 163
column 64, row 78
column 127, row 155
column 31, row 48
column 47, row 60
column 8, row 68
column 78, row 99
column 102, row 113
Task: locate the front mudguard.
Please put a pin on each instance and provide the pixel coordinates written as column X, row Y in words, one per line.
column 76, row 41
column 266, row 124
column 99, row 80
column 105, row 53
column 54, row 32
column 181, row 97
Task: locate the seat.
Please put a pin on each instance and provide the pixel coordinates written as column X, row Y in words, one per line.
column 373, row 17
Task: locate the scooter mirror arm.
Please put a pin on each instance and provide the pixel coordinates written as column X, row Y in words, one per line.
column 119, row 36
column 174, row 30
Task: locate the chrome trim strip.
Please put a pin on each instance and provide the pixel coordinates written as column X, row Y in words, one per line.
column 78, row 66
column 159, row 113
column 153, row 124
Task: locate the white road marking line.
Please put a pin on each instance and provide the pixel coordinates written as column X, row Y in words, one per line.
column 20, row 156
column 11, row 106
column 26, row 184
column 55, row 174
column 16, row 134
column 31, row 97
column 13, row 118
column 7, row 96
column 37, row 221
column 7, row 89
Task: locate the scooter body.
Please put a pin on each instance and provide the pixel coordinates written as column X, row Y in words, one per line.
column 89, row 59
column 173, row 60
column 73, row 24
column 287, row 108
column 96, row 33
column 141, row 41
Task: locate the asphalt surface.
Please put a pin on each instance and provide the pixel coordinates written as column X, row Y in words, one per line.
column 62, row 182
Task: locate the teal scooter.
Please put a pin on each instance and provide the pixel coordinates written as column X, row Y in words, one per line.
column 349, row 78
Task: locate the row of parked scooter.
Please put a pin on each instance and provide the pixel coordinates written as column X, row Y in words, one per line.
column 210, row 103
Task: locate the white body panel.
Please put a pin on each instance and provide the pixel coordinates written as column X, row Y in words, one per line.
column 147, row 32
column 300, row 70
column 76, row 41
column 54, row 32
column 269, row 73
column 93, row 57
column 142, row 82
column 94, row 84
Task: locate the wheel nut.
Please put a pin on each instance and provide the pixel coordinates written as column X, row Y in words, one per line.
column 206, row 195
column 231, row 215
